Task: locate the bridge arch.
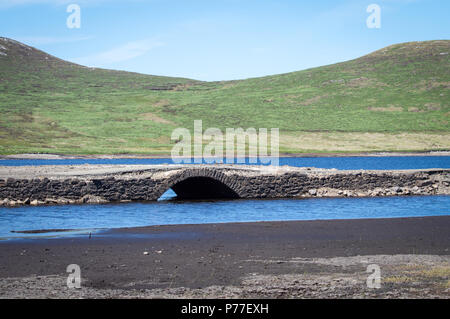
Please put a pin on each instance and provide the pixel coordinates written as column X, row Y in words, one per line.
column 201, row 184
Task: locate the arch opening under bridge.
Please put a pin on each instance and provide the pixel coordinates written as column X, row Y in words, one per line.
column 202, row 187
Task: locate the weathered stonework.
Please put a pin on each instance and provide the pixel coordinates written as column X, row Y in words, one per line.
column 120, row 183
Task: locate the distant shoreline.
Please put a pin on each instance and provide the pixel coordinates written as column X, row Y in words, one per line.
column 154, row 156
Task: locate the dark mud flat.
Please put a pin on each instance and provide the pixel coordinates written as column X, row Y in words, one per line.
column 295, row 259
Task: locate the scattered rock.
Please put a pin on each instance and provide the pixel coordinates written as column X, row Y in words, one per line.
column 361, row 194
column 424, row 183
column 51, row 201
column 91, row 199
column 62, row 201
column 396, row 189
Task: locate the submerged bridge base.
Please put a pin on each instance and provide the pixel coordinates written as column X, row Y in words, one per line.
column 41, row 185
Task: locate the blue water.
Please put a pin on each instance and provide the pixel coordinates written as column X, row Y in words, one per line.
column 353, row 162
column 85, row 218
column 170, row 212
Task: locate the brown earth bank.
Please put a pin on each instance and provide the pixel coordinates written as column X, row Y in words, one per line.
column 295, row 259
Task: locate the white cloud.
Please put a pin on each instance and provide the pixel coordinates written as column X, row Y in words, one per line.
column 124, row 52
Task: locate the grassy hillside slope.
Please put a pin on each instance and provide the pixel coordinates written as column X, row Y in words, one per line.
column 396, row 98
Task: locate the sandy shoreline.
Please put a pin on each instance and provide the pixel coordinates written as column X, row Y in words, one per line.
column 158, row 156
column 295, row 259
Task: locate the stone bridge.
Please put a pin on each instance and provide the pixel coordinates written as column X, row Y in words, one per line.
column 38, row 185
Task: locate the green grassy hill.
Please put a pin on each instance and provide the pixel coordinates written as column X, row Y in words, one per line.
column 396, row 98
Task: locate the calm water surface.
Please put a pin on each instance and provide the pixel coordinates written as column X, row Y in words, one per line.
column 169, row 212
column 88, row 217
column 353, row 162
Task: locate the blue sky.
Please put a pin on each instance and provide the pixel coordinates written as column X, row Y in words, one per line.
column 219, row 39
